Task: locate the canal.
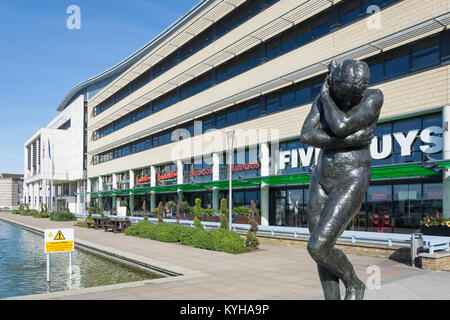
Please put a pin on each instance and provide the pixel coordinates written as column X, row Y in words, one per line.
column 23, row 266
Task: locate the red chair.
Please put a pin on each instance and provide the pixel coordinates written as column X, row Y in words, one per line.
column 386, row 224
column 375, row 222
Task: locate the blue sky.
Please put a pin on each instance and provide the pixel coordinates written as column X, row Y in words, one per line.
column 41, row 59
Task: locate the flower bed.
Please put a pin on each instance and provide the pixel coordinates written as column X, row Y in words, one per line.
column 436, row 226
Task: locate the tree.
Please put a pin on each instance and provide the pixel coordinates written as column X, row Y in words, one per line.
column 178, row 211
column 198, row 212
column 160, row 212
column 223, row 214
column 172, row 206
column 252, row 241
column 143, row 208
column 100, row 209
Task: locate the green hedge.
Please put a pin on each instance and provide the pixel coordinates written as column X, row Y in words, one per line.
column 62, row 216
column 215, row 239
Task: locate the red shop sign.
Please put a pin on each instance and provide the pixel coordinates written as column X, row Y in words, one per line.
column 204, row 172
column 166, row 176
column 143, row 179
column 245, row 167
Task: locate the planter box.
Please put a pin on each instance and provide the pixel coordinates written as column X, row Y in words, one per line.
column 435, row 231
column 236, row 219
column 244, row 219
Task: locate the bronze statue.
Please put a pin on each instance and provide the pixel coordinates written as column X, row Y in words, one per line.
column 342, row 122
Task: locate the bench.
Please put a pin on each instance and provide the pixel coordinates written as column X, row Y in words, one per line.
column 90, row 224
column 112, row 225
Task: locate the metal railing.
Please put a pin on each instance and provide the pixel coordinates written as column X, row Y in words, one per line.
column 433, row 242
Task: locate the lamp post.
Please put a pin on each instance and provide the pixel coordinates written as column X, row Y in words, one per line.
column 230, row 138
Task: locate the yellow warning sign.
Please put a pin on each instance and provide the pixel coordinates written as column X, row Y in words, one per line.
column 59, row 236
column 61, row 246
column 63, row 241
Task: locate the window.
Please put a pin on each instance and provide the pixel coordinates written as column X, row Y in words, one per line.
column 303, row 34
column 397, row 63
column 302, row 94
column 253, row 111
column 272, row 103
column 273, row 48
column 221, row 121
column 376, row 66
column 349, row 11
column 231, row 117
column 425, row 54
column 321, row 25
column 288, row 40
column 287, row 98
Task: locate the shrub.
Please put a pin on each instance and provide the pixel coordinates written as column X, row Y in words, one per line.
column 223, row 214
column 16, row 211
column 252, row 241
column 160, row 212
column 198, row 212
column 62, row 216
column 217, row 239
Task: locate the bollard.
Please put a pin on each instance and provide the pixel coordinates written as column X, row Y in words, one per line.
column 416, row 247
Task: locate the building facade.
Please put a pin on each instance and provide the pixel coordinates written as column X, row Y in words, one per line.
column 55, row 162
column 11, row 188
column 156, row 129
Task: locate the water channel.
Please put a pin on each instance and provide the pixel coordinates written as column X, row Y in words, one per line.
column 23, row 266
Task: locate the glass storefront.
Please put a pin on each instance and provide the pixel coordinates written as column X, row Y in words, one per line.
column 288, row 207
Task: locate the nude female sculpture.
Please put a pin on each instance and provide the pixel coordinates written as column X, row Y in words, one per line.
column 342, row 122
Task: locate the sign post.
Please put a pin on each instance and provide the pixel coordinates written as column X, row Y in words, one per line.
column 59, row 240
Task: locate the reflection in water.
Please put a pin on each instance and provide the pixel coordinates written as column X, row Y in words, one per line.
column 23, row 266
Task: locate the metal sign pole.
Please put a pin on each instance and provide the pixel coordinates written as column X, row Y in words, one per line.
column 48, row 268
column 70, row 265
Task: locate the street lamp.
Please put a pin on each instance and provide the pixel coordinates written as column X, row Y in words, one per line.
column 230, row 137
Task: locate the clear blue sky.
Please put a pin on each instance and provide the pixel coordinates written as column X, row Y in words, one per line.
column 41, row 60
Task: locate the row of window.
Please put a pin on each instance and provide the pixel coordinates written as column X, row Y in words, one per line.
column 297, row 36
column 218, row 29
column 292, row 96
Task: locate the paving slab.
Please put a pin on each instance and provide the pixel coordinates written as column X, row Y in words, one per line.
column 273, row 272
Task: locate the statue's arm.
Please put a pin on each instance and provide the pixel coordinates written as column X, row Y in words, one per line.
column 316, row 137
column 362, row 115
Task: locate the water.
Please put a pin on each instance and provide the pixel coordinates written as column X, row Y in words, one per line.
column 23, row 266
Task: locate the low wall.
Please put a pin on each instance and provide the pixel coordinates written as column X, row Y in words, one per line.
column 437, row 261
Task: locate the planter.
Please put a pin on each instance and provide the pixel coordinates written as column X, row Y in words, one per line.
column 435, row 231
column 240, row 219
column 211, row 218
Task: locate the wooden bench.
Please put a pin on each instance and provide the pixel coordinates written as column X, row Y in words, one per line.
column 112, row 225
column 90, row 224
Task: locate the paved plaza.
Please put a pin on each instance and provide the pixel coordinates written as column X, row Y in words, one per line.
column 273, row 272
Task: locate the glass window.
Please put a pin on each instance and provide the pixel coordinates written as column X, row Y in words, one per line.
column 432, row 200
column 287, row 98
column 273, row 48
column 231, row 117
column 367, row 3
column 407, row 207
column 303, row 34
column 349, row 11
column 425, row 54
column 302, row 94
column 288, row 40
column 242, row 115
column 272, row 103
column 221, row 121
column 379, row 207
column 321, row 25
column 253, row 111
column 376, row 66
column 397, row 63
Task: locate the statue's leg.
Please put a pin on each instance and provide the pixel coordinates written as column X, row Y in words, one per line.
column 339, row 209
column 316, row 203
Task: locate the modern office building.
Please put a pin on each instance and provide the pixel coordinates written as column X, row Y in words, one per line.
column 11, row 188
column 157, row 122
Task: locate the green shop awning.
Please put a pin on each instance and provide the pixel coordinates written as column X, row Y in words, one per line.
column 402, row 171
column 381, row 172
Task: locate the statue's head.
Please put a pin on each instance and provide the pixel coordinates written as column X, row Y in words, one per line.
column 348, row 81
